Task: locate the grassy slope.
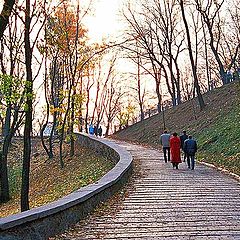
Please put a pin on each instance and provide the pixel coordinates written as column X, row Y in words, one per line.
column 216, row 128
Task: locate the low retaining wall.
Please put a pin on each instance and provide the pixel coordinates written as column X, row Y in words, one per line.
column 51, row 219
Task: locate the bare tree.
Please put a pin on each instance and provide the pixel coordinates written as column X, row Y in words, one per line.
column 193, row 63
column 138, row 76
column 156, row 30
column 32, row 16
column 211, row 14
column 139, row 92
column 103, row 93
column 93, row 77
column 113, row 100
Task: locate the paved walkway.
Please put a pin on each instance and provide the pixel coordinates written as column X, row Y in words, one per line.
column 166, row 203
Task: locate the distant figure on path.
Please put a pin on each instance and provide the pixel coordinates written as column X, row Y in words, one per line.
column 91, row 129
column 164, row 141
column 95, row 130
column 190, row 147
column 100, row 131
column 183, row 137
column 175, row 145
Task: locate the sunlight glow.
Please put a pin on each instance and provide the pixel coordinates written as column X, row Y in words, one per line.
column 105, row 22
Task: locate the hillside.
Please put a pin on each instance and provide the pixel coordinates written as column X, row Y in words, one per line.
column 216, row 128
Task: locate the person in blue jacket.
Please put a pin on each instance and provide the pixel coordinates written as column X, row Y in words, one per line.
column 91, row 129
column 190, row 147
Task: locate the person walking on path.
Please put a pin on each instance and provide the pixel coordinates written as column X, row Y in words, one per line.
column 95, row 130
column 91, row 129
column 100, row 131
column 164, row 141
column 183, row 137
column 175, row 145
column 190, row 147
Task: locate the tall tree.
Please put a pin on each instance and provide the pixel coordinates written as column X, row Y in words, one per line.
column 37, row 14
column 193, row 63
column 28, row 110
column 211, row 14
column 11, row 84
column 156, row 29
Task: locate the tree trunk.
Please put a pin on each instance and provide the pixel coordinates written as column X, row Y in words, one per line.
column 194, row 70
column 50, row 141
column 42, row 140
column 49, row 153
column 140, row 100
column 4, row 179
column 7, row 121
column 107, row 129
column 28, row 117
column 5, row 14
column 206, row 60
column 72, row 141
column 61, row 149
column 5, row 195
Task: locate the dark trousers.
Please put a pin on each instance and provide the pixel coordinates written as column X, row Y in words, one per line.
column 191, row 161
column 184, row 156
column 175, row 165
column 166, row 153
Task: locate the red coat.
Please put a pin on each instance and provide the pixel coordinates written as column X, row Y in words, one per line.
column 175, row 145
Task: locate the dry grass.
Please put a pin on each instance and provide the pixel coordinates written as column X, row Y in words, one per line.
column 48, row 181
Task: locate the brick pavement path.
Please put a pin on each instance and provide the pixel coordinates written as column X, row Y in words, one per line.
column 166, row 203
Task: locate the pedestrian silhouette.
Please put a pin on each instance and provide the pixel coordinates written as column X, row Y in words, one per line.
column 91, row 129
column 100, row 131
column 164, row 141
column 175, row 145
column 190, row 147
column 183, row 137
column 95, row 130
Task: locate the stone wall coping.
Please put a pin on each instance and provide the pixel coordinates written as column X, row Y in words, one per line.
column 76, row 197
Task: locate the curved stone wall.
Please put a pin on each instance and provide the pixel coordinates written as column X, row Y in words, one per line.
column 50, row 219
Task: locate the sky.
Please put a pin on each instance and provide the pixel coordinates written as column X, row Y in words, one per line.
column 105, row 23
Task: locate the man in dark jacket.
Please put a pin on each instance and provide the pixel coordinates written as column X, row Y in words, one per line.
column 190, row 147
column 183, row 137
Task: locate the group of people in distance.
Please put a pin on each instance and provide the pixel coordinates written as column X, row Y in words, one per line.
column 94, row 130
column 172, row 146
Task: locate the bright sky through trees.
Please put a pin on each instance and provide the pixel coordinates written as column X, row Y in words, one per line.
column 105, row 22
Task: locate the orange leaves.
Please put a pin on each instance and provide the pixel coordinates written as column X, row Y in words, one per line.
column 64, row 28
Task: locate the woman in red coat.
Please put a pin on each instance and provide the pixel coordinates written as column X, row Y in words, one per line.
column 175, row 145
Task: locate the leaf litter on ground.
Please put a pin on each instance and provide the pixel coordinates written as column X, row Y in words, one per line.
column 48, row 181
